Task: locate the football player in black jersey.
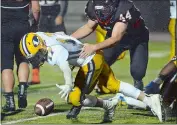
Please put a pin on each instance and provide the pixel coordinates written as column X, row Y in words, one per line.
column 126, row 30
column 14, row 24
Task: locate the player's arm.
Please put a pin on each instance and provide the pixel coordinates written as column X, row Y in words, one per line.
column 35, row 9
column 117, row 34
column 65, row 89
column 119, row 28
column 61, row 60
column 85, row 30
column 64, row 7
column 67, row 73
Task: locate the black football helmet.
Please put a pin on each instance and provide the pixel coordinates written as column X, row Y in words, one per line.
column 105, row 10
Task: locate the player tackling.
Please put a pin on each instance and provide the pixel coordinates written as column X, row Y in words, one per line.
column 63, row 50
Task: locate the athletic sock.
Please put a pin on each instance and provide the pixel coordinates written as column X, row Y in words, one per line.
column 129, row 90
column 134, row 102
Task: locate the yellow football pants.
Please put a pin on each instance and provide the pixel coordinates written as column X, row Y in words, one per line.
column 172, row 30
column 100, row 37
column 88, row 75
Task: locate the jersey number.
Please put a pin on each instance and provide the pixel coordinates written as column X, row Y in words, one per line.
column 128, row 15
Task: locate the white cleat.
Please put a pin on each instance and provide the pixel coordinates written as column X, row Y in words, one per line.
column 156, row 105
column 109, row 112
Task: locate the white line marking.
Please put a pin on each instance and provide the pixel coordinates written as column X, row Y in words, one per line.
column 34, row 118
column 40, row 117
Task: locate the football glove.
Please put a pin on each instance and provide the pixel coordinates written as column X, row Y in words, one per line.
column 65, row 90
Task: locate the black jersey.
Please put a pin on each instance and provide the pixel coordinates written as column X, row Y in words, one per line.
column 14, row 10
column 126, row 13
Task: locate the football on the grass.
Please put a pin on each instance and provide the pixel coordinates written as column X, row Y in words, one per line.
column 44, row 107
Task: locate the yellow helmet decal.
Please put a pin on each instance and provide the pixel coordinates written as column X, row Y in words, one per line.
column 30, row 44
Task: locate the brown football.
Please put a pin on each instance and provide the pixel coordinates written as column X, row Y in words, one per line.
column 44, row 107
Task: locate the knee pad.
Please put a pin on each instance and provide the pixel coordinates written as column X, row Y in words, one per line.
column 75, row 96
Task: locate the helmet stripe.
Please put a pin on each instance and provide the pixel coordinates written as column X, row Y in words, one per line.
column 25, row 49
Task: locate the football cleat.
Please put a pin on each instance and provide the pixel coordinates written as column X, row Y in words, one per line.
column 109, row 112
column 156, row 105
column 75, row 110
column 10, row 103
column 22, row 95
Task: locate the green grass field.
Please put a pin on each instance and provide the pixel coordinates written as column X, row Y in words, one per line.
column 158, row 56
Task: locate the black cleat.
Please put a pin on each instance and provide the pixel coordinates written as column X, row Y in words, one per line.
column 22, row 95
column 10, row 103
column 75, row 110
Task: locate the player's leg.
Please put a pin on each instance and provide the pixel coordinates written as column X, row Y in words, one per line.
column 78, row 98
column 153, row 87
column 172, row 30
column 127, row 89
column 84, row 84
column 110, row 55
column 138, row 64
column 100, row 37
column 22, row 67
column 108, row 80
column 153, row 101
column 7, row 61
column 139, row 58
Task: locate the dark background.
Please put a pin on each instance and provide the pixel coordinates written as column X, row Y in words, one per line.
column 156, row 14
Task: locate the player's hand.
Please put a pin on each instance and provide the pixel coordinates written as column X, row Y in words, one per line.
column 87, row 50
column 65, row 90
column 58, row 20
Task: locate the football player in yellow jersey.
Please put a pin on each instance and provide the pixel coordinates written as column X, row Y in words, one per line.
column 100, row 37
column 63, row 50
column 172, row 27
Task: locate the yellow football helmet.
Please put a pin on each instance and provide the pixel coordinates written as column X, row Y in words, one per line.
column 32, row 48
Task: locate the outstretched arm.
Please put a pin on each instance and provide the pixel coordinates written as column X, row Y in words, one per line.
column 85, row 30
column 60, row 56
column 67, row 73
column 117, row 34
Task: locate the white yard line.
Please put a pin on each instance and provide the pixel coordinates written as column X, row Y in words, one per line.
column 39, row 117
column 33, row 118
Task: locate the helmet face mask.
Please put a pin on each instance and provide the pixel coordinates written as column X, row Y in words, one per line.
column 39, row 58
column 104, row 10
